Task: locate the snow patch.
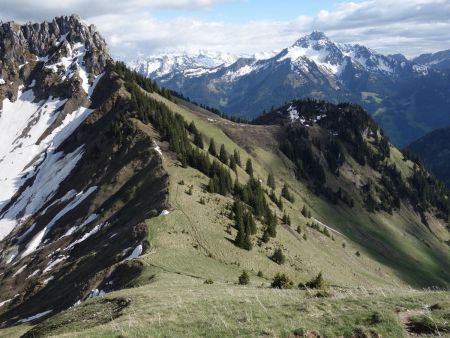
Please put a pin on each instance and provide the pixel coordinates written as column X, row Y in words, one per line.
column 18, row 272
column 96, row 293
column 34, row 317
column 158, row 149
column 34, row 273
column 86, row 235
column 88, row 220
column 53, row 263
column 136, row 253
column 5, row 302
column 45, row 282
column 37, row 239
column 164, row 213
column 293, row 113
column 23, row 154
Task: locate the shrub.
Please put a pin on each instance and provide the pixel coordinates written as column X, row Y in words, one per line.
column 316, row 283
column 208, row 281
column 375, row 318
column 278, row 256
column 244, row 278
column 281, row 281
column 260, row 274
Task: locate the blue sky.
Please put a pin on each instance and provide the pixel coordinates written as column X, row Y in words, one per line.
column 134, row 28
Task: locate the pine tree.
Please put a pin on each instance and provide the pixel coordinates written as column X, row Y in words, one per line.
column 271, row 181
column 266, row 237
column 305, row 212
column 232, row 164
column 193, row 128
column 212, row 148
column 237, row 157
column 198, row 140
column 240, row 238
column 247, row 245
column 278, row 256
column 244, row 278
column 286, row 219
column 281, row 281
column 287, row 194
column 223, row 155
column 250, row 224
column 249, row 167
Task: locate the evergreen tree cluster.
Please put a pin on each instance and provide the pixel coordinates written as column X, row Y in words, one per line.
column 317, row 282
column 297, row 147
column 244, row 224
column 426, row 192
column 285, row 192
column 316, row 226
column 277, row 200
column 334, row 154
column 187, row 142
column 306, row 212
column 252, row 194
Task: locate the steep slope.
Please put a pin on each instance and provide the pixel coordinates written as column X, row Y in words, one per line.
column 407, row 98
column 433, row 150
column 75, row 173
column 194, row 244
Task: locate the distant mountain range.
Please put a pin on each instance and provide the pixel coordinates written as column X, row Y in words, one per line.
column 433, row 150
column 407, row 97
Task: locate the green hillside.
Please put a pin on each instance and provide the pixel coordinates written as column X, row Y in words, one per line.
column 349, row 210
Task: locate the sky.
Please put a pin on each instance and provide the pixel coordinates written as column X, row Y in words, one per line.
column 147, row 27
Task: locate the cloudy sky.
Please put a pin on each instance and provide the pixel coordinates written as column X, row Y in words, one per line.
column 145, row 27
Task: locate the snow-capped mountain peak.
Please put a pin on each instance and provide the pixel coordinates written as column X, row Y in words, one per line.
column 188, row 64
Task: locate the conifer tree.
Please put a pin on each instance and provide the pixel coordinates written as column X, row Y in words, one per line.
column 232, row 164
column 249, row 167
column 212, row 148
column 223, row 155
column 278, row 256
column 247, row 245
column 244, row 278
column 271, row 181
column 193, row 128
column 305, row 212
column 237, row 157
column 250, row 224
column 198, row 140
column 287, row 194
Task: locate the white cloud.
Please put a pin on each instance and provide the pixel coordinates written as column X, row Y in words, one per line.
column 411, row 27
column 26, row 10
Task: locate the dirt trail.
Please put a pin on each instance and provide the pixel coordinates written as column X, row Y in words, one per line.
column 404, row 318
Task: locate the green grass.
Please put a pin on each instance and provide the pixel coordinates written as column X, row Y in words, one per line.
column 177, row 305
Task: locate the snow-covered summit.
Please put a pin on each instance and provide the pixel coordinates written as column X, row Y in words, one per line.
column 188, row 64
column 334, row 57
